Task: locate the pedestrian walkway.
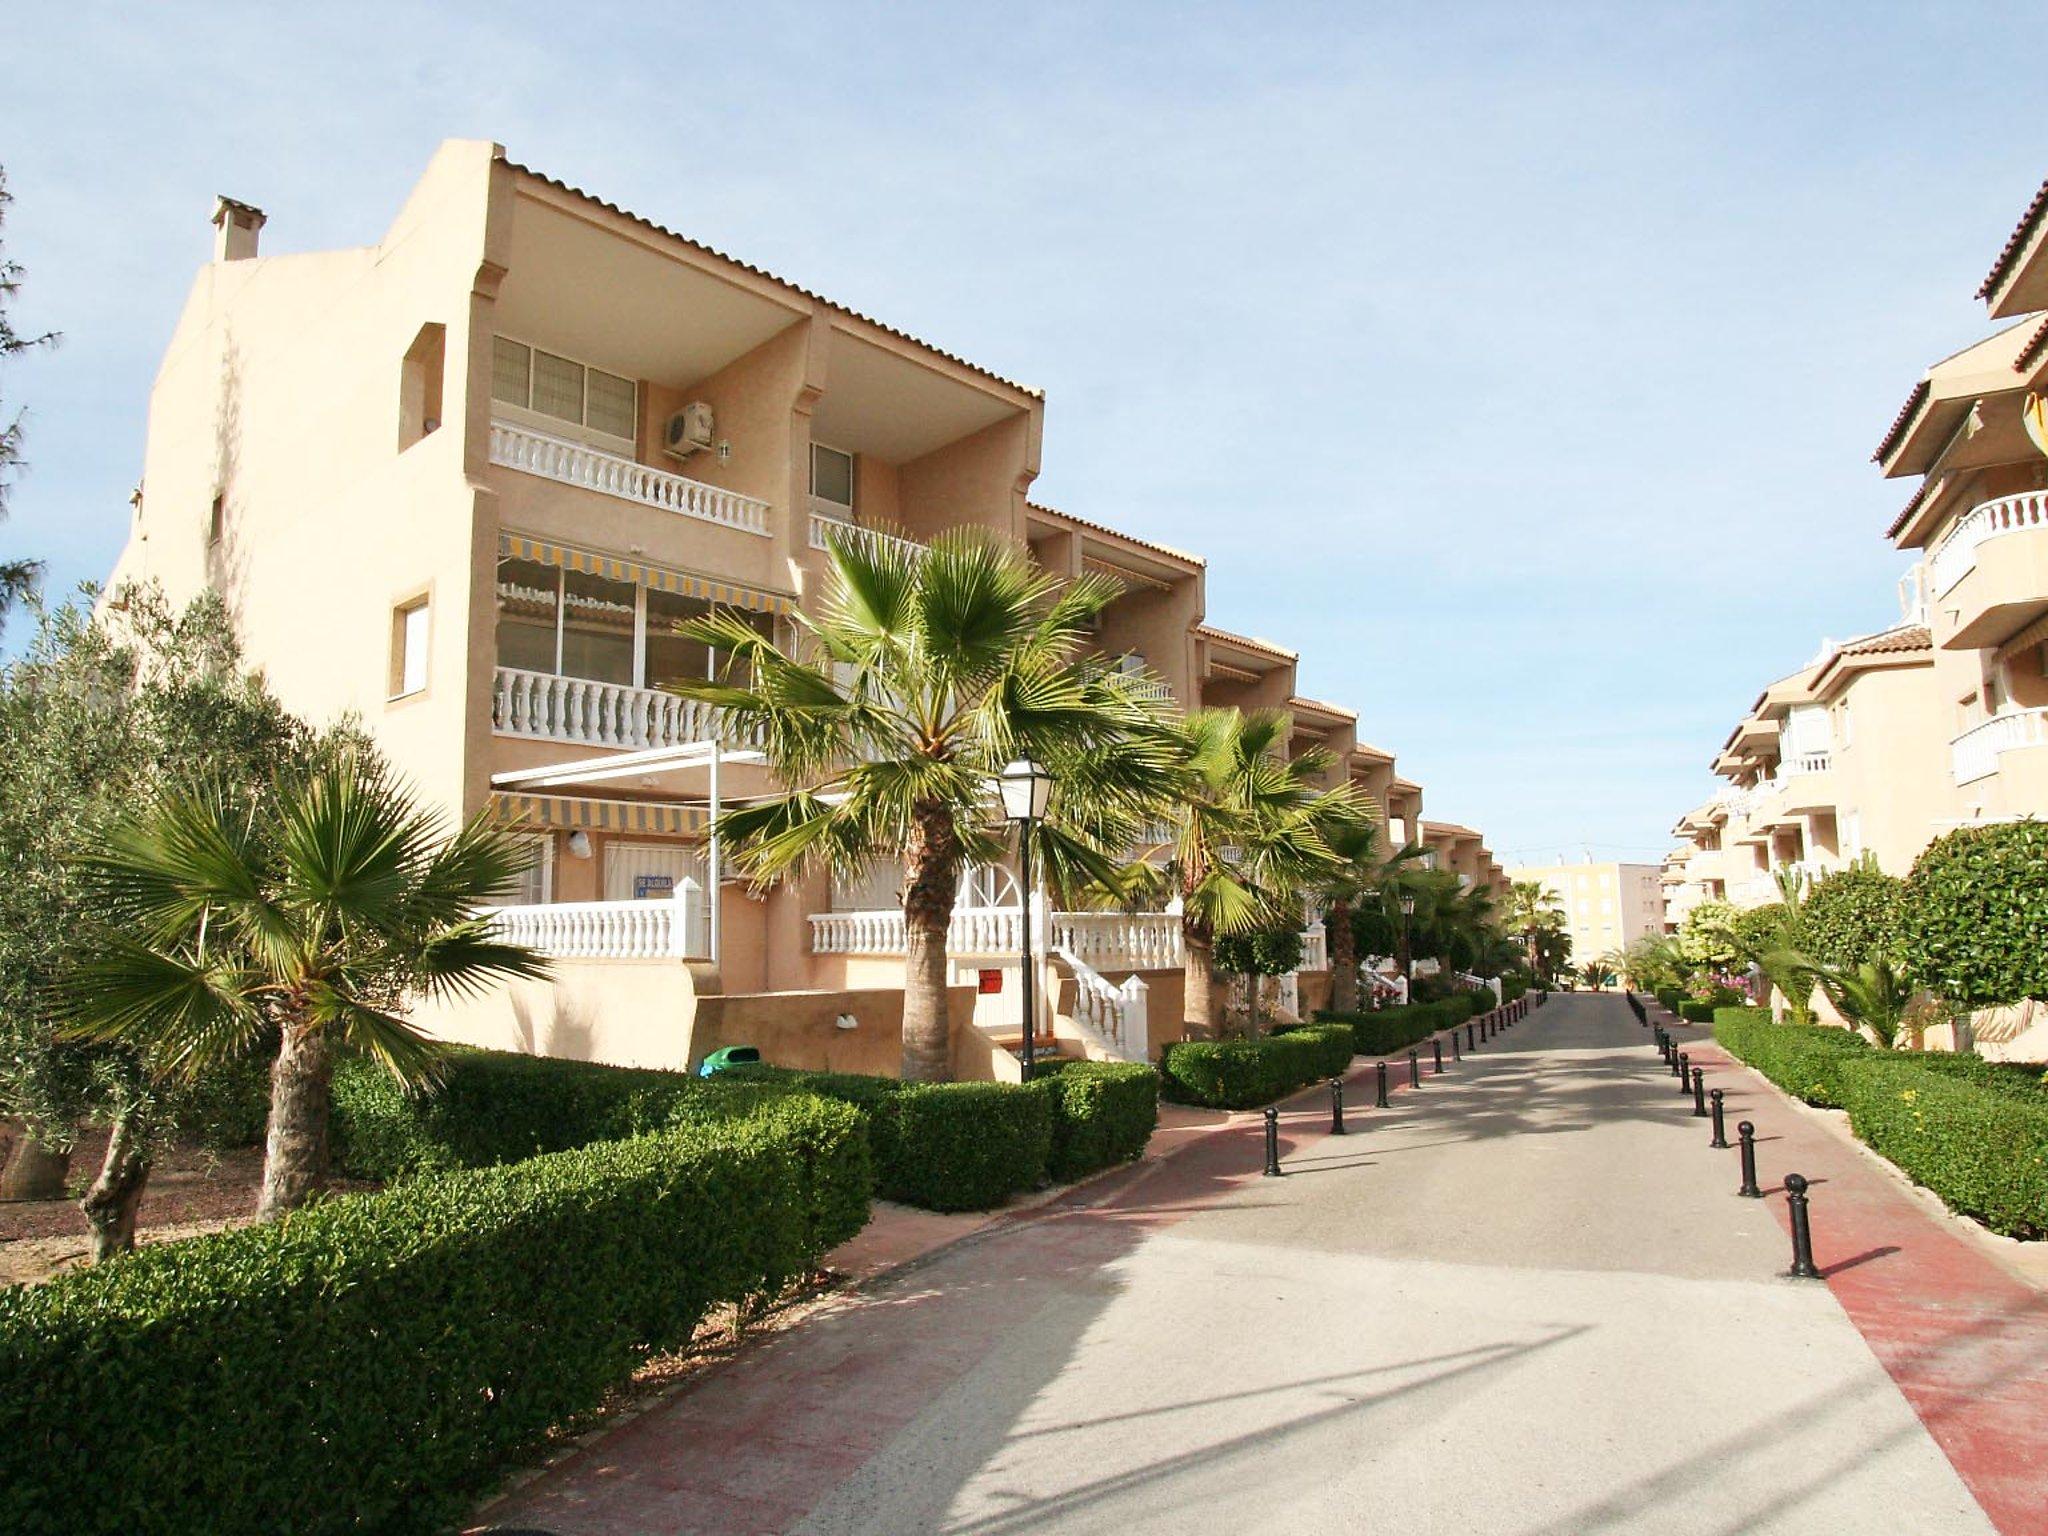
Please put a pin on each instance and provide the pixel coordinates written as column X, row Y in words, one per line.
column 1524, row 1299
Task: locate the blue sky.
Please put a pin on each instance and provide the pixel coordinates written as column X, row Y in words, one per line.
column 1468, row 342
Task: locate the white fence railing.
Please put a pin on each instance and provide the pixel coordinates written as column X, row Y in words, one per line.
column 872, row 540
column 1956, row 556
column 1120, row 941
column 1117, row 1014
column 674, row 929
column 973, row 931
column 1315, row 949
column 1974, row 754
column 592, row 469
column 545, row 707
column 1810, row 762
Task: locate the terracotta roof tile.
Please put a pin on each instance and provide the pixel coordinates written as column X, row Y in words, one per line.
column 1248, row 642
column 2036, row 345
column 782, row 282
column 2001, row 269
column 1907, row 637
column 1896, row 432
column 1116, row 533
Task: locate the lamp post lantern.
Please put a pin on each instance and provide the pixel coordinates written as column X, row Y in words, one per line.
column 1026, row 788
column 1407, row 954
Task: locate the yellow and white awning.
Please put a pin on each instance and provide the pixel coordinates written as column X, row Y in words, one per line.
column 577, row 813
column 727, row 594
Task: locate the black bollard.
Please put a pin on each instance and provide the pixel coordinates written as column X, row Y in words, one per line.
column 1383, row 1086
column 1456, row 1053
column 1414, row 1069
column 1272, row 1143
column 1663, row 1043
column 1745, row 1133
column 1468, row 1036
column 1720, row 1126
column 1336, row 1106
column 1436, row 1046
column 1678, row 1071
column 1699, row 1093
column 1803, row 1267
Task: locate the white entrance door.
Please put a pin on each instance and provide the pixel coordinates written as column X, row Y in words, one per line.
column 649, row 871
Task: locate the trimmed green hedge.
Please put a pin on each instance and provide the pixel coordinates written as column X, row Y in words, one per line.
column 1806, row 1060
column 1670, row 998
column 498, row 1107
column 1695, row 1012
column 1238, row 1074
column 942, row 1146
column 1981, row 1145
column 1852, row 916
column 1103, row 1113
column 1513, row 987
column 1391, row 1029
column 373, row 1362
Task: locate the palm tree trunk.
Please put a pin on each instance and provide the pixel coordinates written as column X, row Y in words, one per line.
column 295, row 1149
column 1343, row 959
column 116, row 1195
column 932, row 864
column 1198, row 981
column 34, row 1170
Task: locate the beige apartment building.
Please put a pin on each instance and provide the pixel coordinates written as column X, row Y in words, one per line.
column 462, row 481
column 1607, row 906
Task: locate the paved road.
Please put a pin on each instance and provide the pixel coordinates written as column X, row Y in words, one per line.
column 1524, row 1300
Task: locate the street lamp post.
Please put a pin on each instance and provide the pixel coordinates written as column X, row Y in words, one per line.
column 1026, row 788
column 1407, row 952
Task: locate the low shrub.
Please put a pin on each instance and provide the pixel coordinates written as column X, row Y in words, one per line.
column 1103, row 1113
column 1695, row 1012
column 494, row 1107
column 1980, row 1144
column 1670, row 998
column 1391, row 1029
column 1237, row 1074
column 1514, row 987
column 942, row 1146
column 373, row 1362
column 1805, row 1060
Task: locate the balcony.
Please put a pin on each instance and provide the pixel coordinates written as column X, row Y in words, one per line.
column 1991, row 572
column 674, row 929
column 592, row 469
column 1806, row 784
column 542, row 706
column 871, row 540
column 1975, row 754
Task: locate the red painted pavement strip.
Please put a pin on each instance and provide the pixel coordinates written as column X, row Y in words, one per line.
column 755, row 1443
column 1963, row 1338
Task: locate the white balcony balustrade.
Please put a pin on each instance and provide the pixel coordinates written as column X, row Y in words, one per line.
column 1118, row 1015
column 1974, row 754
column 675, row 929
column 973, row 931
column 1809, row 762
column 1120, row 941
column 872, row 540
column 592, row 469
column 545, row 707
column 1315, row 949
column 1956, row 556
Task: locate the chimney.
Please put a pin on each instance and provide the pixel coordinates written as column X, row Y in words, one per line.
column 235, row 226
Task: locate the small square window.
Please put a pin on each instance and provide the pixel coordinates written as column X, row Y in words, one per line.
column 831, row 475
column 511, row 371
column 216, row 519
column 409, row 649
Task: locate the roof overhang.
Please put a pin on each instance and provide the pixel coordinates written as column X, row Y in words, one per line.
column 2017, row 283
column 1964, row 413
column 656, row 768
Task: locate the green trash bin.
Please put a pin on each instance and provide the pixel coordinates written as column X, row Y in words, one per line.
column 728, row 1056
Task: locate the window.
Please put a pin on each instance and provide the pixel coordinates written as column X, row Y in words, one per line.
column 574, row 624
column 831, row 476
column 536, row 883
column 650, row 871
column 217, row 518
column 409, row 648
column 563, row 390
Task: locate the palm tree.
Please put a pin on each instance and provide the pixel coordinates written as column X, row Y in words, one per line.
column 892, row 712
column 1531, row 907
column 1874, row 995
column 315, row 911
column 1251, row 833
column 1354, row 845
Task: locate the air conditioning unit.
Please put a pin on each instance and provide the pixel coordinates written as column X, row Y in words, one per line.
column 688, row 431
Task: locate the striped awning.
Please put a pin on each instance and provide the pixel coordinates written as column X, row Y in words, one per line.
column 727, row 594
column 582, row 813
column 2034, row 634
